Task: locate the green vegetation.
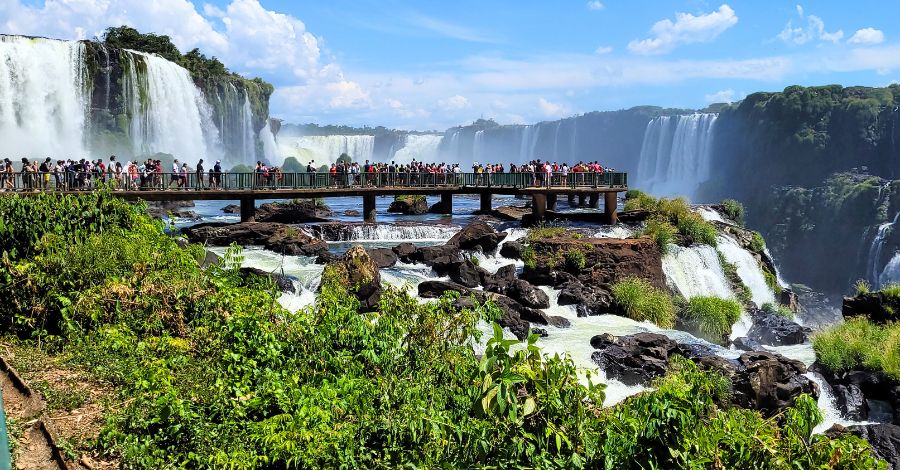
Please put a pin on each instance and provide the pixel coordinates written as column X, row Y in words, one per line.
column 741, row 290
column 734, row 210
column 546, row 232
column 661, row 231
column 862, row 286
column 711, row 317
column 529, row 257
column 676, row 213
column 643, row 302
column 209, row 370
column 858, row 343
column 777, row 309
column 891, row 290
column 575, row 260
column 757, row 243
column 772, row 281
column 292, row 165
column 636, row 199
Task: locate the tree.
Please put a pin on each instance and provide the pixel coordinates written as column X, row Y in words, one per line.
column 126, row 37
column 292, row 165
column 344, row 158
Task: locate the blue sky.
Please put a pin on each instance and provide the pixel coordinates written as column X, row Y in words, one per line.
column 432, row 65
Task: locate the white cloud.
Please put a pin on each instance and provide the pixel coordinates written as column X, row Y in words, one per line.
column 450, row 30
column 454, row 103
column 595, row 5
column 814, row 30
column 603, row 50
column 551, row 109
column 686, row 29
column 867, row 36
column 722, row 96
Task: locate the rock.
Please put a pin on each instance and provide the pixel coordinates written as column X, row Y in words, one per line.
column 293, row 212
column 467, row 274
column 516, row 317
column 587, row 300
column 760, row 380
column 883, row 438
column 772, row 329
column 501, row 280
column 280, row 238
column 232, row 209
column 409, row 205
column 359, row 273
column 746, row 344
column 542, row 332
column 383, row 257
column 441, row 257
column 557, row 321
column 878, row 307
column 209, row 259
column 284, row 283
column 872, row 385
column 789, row 299
column 351, row 213
column 527, row 295
column 512, row 249
column 160, row 209
column 477, row 235
column 404, row 250
column 326, row 257
column 851, row 402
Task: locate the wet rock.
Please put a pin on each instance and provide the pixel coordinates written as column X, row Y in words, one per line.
column 557, row 321
column 409, row 205
column 746, row 344
column 769, row 382
column 772, row 329
column 587, row 300
column 789, row 299
column 284, row 283
column 541, row 332
column 878, row 307
column 467, row 274
column 527, row 295
column 873, row 385
column 501, row 280
column 351, row 213
column 851, row 402
column 404, row 250
column 360, row 274
column 276, row 237
column 383, row 257
column 477, row 235
column 326, row 257
column 512, row 250
column 232, row 209
column 884, row 440
column 293, row 212
column 160, row 209
column 441, row 257
column 634, row 359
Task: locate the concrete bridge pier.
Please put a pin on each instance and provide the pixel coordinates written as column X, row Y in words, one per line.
column 538, row 207
column 610, row 203
column 581, row 199
column 551, row 202
column 594, row 200
column 369, row 208
column 486, row 202
column 248, row 209
column 571, row 200
column 446, row 206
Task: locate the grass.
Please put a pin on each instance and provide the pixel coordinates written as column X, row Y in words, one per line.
column 772, row 281
column 661, row 231
column 891, row 290
column 858, row 343
column 639, row 200
column 777, row 309
column 711, row 317
column 743, row 292
column 733, row 210
column 545, row 233
column 529, row 257
column 862, row 286
column 643, row 302
column 677, row 213
column 575, row 259
column 757, row 243
column 696, row 230
column 65, row 398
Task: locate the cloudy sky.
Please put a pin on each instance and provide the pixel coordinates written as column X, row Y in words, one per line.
column 432, row 65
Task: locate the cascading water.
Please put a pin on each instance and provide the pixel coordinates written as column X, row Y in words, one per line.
column 326, row 149
column 44, row 97
column 168, row 112
column 386, row 232
column 696, row 271
column 891, row 272
column 748, row 270
column 478, row 147
column 248, row 140
column 270, row 146
column 675, row 156
column 418, row 147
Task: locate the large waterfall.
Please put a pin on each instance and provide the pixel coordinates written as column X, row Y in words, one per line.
column 676, row 154
column 418, row 147
column 877, row 274
column 44, row 97
column 168, row 112
column 326, row 149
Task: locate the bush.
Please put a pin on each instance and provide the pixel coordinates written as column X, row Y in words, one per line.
column 529, row 258
column 891, row 290
column 696, row 230
column 711, row 318
column 661, row 231
column 575, row 260
column 777, row 309
column 639, row 200
column 757, row 243
column 858, row 343
column 643, row 302
column 734, row 210
column 741, row 290
column 862, row 286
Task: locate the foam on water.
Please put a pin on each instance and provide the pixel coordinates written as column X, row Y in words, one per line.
column 748, row 269
column 709, row 215
column 696, row 271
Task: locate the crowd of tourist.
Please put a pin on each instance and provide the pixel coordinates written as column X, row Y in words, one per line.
column 150, row 174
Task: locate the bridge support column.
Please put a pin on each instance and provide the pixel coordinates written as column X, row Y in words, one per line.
column 486, row 202
column 369, row 207
column 248, row 209
column 538, row 207
column 571, row 200
column 446, row 203
column 581, row 199
column 551, row 202
column 610, row 202
column 594, row 200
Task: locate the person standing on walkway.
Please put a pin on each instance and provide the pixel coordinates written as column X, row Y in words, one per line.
column 199, row 184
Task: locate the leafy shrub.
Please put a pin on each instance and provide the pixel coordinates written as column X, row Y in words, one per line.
column 639, row 200
column 858, row 343
column 862, row 286
column 643, row 302
column 575, row 260
column 711, row 318
column 661, row 231
column 757, row 243
column 696, row 230
column 777, row 309
column 734, row 210
column 529, row 257
column 772, row 281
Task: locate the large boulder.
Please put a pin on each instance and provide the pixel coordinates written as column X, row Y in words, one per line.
column 442, row 257
column 772, row 329
column 477, row 235
column 851, row 402
column 769, row 382
column 409, row 205
column 160, row 209
column 358, row 272
column 404, row 250
column 467, row 273
column 276, row 237
column 383, row 257
column 232, row 209
column 878, row 307
column 871, row 385
column 527, row 295
column 293, row 212
column 512, row 249
column 587, row 300
column 284, row 283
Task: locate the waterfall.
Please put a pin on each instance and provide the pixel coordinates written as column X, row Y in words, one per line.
column 477, row 145
column 676, row 153
column 168, row 112
column 248, row 139
column 385, row 232
column 873, row 265
column 748, row 269
column 270, row 146
column 421, row 148
column 696, row 271
column 326, row 149
column 44, row 97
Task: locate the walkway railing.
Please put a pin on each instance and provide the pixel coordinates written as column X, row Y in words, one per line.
column 273, row 181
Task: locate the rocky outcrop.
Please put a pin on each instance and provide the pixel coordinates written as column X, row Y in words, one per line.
column 762, row 381
column 293, row 212
column 179, row 209
column 284, row 283
column 878, row 307
column 884, row 440
column 772, row 329
column 360, row 274
column 853, row 388
column 512, row 249
column 477, row 235
column 409, row 205
column 276, row 237
column 383, row 257
column 232, row 209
